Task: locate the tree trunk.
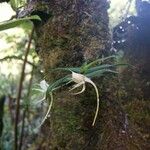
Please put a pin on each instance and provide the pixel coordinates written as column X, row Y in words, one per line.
column 135, row 82
column 77, row 32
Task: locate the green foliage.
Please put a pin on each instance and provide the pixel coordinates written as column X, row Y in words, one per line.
column 10, row 58
column 7, row 136
column 6, row 88
column 15, row 4
column 13, row 23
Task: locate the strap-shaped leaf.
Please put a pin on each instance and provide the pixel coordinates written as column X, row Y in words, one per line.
column 105, row 66
column 58, row 83
column 100, row 73
column 98, row 61
column 13, row 23
column 74, row 69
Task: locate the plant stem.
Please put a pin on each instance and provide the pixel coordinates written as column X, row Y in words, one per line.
column 20, row 91
column 15, row 57
column 25, row 110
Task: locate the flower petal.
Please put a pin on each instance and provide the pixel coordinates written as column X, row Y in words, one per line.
column 83, row 89
column 44, row 85
column 77, row 78
column 77, row 85
column 41, row 100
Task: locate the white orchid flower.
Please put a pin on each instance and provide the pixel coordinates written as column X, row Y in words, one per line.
column 43, row 88
column 44, row 85
column 80, row 80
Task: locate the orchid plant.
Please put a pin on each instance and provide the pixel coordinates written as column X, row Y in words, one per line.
column 80, row 76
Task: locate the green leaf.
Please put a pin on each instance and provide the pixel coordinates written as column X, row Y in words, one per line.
column 74, row 69
column 13, row 23
column 105, row 66
column 14, row 4
column 57, row 84
column 99, row 73
column 86, row 67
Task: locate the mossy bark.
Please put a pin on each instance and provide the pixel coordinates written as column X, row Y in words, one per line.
column 77, row 32
column 136, row 81
column 137, row 54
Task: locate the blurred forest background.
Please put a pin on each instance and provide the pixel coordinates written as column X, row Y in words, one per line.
column 21, row 77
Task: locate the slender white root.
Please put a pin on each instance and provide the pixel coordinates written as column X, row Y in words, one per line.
column 48, row 111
